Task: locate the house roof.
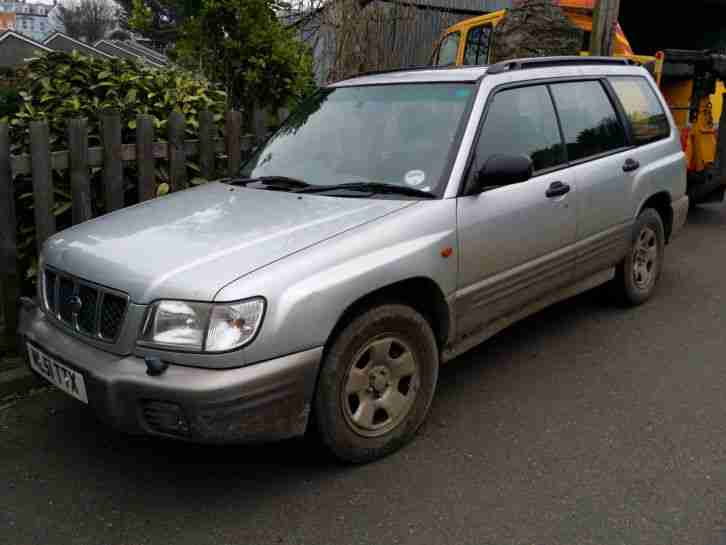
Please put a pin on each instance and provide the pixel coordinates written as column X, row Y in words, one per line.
column 138, row 51
column 8, row 34
column 78, row 44
column 113, row 49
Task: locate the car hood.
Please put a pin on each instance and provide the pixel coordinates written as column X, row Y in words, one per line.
column 190, row 244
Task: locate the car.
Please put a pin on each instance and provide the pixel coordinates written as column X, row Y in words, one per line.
column 393, row 222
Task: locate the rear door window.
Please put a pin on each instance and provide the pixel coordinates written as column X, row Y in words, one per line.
column 478, row 40
column 448, row 50
column 522, row 121
column 648, row 120
column 589, row 121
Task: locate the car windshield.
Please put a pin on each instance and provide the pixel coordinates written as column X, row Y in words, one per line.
column 389, row 134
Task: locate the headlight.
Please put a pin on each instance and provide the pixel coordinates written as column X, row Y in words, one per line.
column 203, row 327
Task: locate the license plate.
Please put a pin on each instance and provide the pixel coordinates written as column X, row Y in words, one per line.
column 58, row 374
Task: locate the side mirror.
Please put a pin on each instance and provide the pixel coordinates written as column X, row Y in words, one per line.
column 501, row 170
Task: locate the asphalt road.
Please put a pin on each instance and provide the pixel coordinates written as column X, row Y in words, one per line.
column 586, row 424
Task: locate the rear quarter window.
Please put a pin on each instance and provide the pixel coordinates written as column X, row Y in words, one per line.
column 590, row 124
column 648, row 120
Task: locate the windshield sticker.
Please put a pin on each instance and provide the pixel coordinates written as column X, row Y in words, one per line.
column 415, row 177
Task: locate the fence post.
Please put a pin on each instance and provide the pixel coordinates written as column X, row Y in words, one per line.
column 9, row 277
column 207, row 132
column 145, row 156
column 78, row 163
column 113, row 177
column 233, row 142
column 177, row 153
column 42, row 182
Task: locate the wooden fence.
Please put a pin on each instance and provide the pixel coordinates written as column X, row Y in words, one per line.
column 110, row 156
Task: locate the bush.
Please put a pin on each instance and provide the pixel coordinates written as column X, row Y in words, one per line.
column 61, row 86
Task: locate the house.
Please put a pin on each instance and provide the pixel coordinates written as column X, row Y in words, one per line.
column 62, row 42
column 32, row 20
column 16, row 49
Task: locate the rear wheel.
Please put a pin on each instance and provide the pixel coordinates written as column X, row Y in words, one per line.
column 376, row 384
column 638, row 274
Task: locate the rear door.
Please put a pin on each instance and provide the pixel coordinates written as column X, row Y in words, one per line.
column 514, row 240
column 599, row 154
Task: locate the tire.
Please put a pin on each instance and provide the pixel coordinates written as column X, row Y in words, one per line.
column 376, row 383
column 638, row 274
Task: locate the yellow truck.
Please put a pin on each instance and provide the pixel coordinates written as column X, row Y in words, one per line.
column 691, row 81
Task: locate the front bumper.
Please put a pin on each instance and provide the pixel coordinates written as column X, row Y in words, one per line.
column 261, row 402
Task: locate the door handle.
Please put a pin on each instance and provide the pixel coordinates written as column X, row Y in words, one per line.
column 557, row 189
column 631, row 165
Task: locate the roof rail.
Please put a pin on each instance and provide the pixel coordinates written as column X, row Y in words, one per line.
column 545, row 62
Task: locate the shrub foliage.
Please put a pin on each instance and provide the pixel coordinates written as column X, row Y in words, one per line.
column 60, row 86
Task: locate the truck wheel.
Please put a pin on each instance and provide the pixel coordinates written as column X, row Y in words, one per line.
column 638, row 274
column 376, row 383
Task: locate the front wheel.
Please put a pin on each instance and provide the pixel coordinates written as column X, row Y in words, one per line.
column 376, row 383
column 638, row 274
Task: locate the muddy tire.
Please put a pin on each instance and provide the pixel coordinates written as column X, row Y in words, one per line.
column 376, row 383
column 638, row 274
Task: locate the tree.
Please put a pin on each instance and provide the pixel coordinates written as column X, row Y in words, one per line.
column 87, row 20
column 535, row 28
column 242, row 45
column 159, row 20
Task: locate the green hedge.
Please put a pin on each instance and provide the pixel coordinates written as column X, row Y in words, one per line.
column 59, row 86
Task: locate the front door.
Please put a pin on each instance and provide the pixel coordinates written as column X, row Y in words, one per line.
column 516, row 241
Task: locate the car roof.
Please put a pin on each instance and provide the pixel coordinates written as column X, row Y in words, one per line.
column 428, row 74
column 520, row 69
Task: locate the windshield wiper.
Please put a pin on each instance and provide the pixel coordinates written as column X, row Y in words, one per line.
column 370, row 187
column 274, row 182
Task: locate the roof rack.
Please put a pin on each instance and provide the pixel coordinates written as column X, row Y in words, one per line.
column 544, row 62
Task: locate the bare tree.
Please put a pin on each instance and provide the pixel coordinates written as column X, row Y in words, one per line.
column 87, row 20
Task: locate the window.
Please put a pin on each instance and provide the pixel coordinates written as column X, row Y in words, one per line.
column 448, row 50
column 588, row 118
column 645, row 113
column 522, row 121
column 398, row 134
column 477, row 45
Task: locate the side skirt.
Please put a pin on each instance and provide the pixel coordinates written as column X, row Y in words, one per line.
column 498, row 325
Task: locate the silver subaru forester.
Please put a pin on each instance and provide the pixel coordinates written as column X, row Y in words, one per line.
column 393, row 222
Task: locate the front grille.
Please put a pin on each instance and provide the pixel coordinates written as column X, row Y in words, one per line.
column 89, row 309
column 112, row 315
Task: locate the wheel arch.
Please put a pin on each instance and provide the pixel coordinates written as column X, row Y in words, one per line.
column 420, row 293
column 661, row 203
